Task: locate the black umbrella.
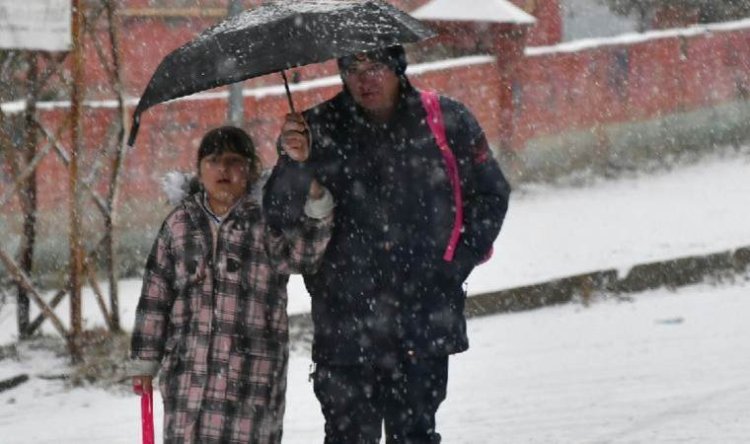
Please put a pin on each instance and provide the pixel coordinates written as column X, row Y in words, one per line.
column 273, row 37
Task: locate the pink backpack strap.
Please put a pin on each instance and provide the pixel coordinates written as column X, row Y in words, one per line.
column 431, row 103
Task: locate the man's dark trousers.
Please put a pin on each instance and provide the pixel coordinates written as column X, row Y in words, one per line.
column 356, row 399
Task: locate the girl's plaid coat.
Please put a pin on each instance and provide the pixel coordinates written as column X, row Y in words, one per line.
column 214, row 317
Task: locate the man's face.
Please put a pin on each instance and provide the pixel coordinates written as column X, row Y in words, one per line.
column 373, row 85
column 225, row 177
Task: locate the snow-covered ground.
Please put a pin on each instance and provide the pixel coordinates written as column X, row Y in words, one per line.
column 666, row 367
column 553, row 232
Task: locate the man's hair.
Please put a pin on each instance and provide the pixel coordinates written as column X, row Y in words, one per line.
column 393, row 56
column 229, row 139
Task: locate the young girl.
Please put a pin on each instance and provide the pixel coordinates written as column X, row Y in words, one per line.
column 211, row 319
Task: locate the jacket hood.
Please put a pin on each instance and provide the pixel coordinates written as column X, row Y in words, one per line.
column 178, row 186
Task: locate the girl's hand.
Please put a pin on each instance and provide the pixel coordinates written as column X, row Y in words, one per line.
column 141, row 384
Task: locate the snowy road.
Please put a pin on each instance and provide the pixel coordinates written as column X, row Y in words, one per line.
column 553, row 232
column 664, row 368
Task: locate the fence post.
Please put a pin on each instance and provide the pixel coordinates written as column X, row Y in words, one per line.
column 76, row 260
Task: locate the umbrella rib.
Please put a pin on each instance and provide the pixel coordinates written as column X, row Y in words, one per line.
column 288, row 93
column 275, row 37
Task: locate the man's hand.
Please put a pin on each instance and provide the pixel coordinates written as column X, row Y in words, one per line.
column 141, row 384
column 295, row 137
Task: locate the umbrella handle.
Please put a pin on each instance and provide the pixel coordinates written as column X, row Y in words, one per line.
column 134, row 128
column 288, row 93
column 147, row 415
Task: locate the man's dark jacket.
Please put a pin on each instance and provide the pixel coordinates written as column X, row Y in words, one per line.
column 384, row 291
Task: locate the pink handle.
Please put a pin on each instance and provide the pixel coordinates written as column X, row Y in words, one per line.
column 147, row 415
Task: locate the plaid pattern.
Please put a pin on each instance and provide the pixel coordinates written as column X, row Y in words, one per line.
column 217, row 322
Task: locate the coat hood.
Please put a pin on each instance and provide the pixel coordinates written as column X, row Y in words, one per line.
column 178, row 186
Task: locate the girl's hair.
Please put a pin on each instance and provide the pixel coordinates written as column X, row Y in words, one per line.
column 230, row 139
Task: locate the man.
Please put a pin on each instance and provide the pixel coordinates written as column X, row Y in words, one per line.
column 387, row 302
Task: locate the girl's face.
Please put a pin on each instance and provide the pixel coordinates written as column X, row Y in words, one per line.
column 225, row 177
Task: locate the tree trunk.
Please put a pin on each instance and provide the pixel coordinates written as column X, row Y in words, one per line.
column 28, row 197
column 117, row 165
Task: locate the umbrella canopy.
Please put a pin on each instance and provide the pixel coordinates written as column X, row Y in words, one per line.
column 273, row 37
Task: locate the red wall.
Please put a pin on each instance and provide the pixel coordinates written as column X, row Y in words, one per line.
column 549, row 25
column 561, row 91
column 146, row 40
column 551, row 91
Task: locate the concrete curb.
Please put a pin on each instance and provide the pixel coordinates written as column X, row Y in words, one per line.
column 671, row 273
column 558, row 291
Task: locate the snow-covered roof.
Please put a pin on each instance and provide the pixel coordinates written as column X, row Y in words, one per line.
column 639, row 37
column 259, row 92
column 494, row 11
